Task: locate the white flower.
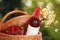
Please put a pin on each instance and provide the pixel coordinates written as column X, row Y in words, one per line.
column 40, row 4
column 27, row 3
column 45, row 12
column 48, row 15
column 50, row 6
column 55, row 22
column 48, row 22
column 56, row 30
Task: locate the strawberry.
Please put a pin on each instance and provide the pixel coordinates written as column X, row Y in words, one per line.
column 18, row 30
column 13, row 30
column 7, row 30
column 10, row 30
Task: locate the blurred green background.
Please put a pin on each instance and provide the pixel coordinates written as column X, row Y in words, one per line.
column 29, row 6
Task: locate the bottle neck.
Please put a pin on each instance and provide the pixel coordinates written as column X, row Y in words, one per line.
column 37, row 12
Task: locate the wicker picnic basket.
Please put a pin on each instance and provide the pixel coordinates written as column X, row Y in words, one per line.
column 19, row 20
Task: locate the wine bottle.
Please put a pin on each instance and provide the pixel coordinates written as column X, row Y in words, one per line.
column 34, row 24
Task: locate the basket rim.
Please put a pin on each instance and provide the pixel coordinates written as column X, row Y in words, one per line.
column 19, row 16
column 19, row 35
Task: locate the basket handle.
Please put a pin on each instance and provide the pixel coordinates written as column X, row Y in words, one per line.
column 10, row 13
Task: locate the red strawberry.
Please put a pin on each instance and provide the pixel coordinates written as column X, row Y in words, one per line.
column 18, row 30
column 10, row 30
column 7, row 30
column 13, row 30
